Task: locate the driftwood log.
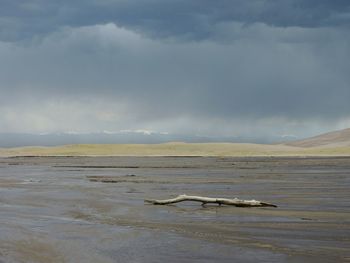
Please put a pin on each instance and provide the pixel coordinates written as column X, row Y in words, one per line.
column 209, row 200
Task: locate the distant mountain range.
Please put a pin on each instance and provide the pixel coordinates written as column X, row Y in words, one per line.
column 125, row 137
column 331, row 139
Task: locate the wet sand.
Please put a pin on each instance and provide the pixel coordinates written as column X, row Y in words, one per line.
column 52, row 211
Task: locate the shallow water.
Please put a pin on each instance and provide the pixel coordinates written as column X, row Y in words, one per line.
column 51, row 212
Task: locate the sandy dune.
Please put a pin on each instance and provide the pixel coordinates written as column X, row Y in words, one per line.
column 332, row 139
column 330, row 144
column 176, row 149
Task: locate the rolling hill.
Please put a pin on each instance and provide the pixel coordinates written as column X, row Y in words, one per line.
column 335, row 143
column 339, row 138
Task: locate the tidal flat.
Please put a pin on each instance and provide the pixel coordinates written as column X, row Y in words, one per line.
column 52, row 209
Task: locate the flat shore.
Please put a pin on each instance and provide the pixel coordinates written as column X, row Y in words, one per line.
column 51, row 210
column 178, row 149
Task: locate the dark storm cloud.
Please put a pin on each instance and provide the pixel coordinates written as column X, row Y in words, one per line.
column 252, row 76
column 164, row 18
column 174, row 65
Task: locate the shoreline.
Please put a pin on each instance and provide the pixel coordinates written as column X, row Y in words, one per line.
column 177, row 150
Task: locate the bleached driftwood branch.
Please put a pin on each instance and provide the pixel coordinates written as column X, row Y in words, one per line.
column 209, row 200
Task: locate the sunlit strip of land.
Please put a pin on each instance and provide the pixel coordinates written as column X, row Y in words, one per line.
column 176, row 149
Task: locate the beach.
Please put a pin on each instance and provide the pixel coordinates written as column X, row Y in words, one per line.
column 52, row 210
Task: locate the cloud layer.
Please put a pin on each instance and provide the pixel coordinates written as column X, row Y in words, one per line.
column 180, row 18
column 219, row 68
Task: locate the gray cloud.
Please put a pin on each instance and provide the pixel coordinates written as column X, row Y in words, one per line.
column 177, row 66
column 224, row 79
column 194, row 19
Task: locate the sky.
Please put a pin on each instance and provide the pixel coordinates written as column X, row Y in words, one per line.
column 209, row 68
